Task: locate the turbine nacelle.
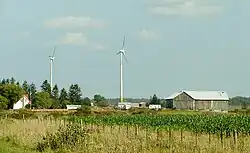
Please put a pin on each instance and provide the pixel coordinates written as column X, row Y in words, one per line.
column 122, row 51
column 51, row 58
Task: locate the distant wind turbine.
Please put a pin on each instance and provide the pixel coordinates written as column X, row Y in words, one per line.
column 52, row 58
column 122, row 54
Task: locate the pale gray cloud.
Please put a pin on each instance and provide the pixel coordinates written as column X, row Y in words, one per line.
column 190, row 8
column 70, row 22
column 74, row 39
column 147, row 34
column 79, row 39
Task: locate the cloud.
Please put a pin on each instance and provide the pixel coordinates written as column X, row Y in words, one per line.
column 79, row 39
column 147, row 34
column 70, row 22
column 190, row 8
column 74, row 39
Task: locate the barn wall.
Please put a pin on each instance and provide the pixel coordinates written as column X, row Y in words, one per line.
column 183, row 101
column 202, row 104
column 220, row 105
column 211, row 105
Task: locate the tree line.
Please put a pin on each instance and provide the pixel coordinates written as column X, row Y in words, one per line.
column 11, row 91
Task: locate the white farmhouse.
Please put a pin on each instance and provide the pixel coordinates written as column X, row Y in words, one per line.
column 22, row 102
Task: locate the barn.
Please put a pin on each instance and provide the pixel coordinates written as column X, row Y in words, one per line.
column 199, row 100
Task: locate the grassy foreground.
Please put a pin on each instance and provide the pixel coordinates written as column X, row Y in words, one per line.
column 32, row 135
column 106, row 132
column 9, row 148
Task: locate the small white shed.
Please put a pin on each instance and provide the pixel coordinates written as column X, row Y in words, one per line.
column 154, row 107
column 124, row 105
column 22, row 102
column 73, row 106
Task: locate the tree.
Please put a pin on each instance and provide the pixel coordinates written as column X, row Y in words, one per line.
column 12, row 92
column 42, row 100
column 46, row 87
column 100, row 101
column 154, row 100
column 7, row 81
column 64, row 103
column 56, row 104
column 98, row 98
column 75, row 94
column 55, row 92
column 3, row 81
column 25, row 86
column 18, row 84
column 86, row 101
column 3, row 102
column 103, row 103
column 63, row 95
column 32, row 92
column 12, row 80
column 244, row 102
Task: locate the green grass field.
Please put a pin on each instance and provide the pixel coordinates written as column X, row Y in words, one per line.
column 117, row 132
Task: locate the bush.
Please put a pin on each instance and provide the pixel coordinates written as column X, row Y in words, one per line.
column 66, row 138
column 22, row 113
column 84, row 110
column 135, row 111
column 56, row 114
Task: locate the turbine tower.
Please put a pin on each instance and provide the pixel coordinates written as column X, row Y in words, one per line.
column 122, row 54
column 52, row 58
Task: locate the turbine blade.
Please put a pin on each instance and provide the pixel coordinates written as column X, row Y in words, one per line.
column 125, row 57
column 54, row 51
column 123, row 43
column 118, row 53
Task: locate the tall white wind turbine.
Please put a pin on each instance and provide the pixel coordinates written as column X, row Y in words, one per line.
column 52, row 58
column 122, row 54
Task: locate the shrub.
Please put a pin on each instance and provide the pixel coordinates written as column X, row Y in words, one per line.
column 84, row 110
column 56, row 114
column 135, row 111
column 22, row 113
column 67, row 137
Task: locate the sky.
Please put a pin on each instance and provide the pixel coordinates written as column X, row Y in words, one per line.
column 171, row 45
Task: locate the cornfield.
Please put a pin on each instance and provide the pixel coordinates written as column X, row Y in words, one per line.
column 177, row 133
column 223, row 126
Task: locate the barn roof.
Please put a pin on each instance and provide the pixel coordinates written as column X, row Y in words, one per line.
column 203, row 95
column 172, row 96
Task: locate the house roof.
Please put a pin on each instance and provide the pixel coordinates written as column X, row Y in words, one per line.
column 203, row 95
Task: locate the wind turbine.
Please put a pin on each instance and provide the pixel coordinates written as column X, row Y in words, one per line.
column 52, row 58
column 122, row 54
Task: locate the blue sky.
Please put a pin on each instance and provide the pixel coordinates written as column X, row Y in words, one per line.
column 171, row 44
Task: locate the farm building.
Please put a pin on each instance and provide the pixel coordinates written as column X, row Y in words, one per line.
column 143, row 104
column 22, row 102
column 157, row 107
column 129, row 105
column 199, row 100
column 124, row 105
column 73, row 106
